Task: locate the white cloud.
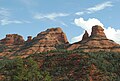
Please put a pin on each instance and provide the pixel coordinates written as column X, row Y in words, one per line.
column 7, row 21
column 25, row 21
column 95, row 8
column 100, row 7
column 51, row 16
column 79, row 13
column 4, row 12
column 111, row 33
column 64, row 24
column 6, row 18
column 77, row 38
column 87, row 25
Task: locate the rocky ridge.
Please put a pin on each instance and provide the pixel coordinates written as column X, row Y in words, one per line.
column 53, row 39
column 10, row 44
column 97, row 41
column 12, row 39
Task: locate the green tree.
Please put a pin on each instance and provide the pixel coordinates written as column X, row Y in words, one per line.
column 32, row 71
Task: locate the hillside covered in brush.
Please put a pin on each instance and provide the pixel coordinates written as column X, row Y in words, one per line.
column 62, row 65
column 50, row 57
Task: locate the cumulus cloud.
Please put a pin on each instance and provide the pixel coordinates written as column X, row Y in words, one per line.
column 50, row 16
column 111, row 33
column 95, row 8
column 87, row 25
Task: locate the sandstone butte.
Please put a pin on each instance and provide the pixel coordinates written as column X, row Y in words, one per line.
column 53, row 39
column 97, row 41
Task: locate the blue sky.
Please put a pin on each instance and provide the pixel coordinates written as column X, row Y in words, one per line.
column 30, row 17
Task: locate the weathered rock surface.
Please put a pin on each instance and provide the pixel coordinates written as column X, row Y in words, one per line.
column 85, row 36
column 51, row 39
column 29, row 39
column 98, row 32
column 12, row 39
column 76, row 45
column 97, row 41
column 54, row 35
column 10, row 44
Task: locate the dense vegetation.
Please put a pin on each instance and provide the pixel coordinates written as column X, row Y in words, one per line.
column 63, row 65
column 22, row 70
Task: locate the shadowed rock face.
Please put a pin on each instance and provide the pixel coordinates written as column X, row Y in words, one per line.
column 85, row 36
column 29, row 39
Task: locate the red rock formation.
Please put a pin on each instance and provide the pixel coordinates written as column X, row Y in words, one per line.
column 12, row 39
column 29, row 38
column 98, row 32
column 53, row 34
column 76, row 45
column 96, row 42
column 85, row 36
column 55, row 38
column 10, row 44
column 51, row 39
column 8, row 39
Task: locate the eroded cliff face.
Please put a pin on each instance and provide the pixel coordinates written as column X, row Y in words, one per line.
column 51, row 39
column 56, row 35
column 97, row 41
column 10, row 44
column 97, row 33
column 12, row 39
